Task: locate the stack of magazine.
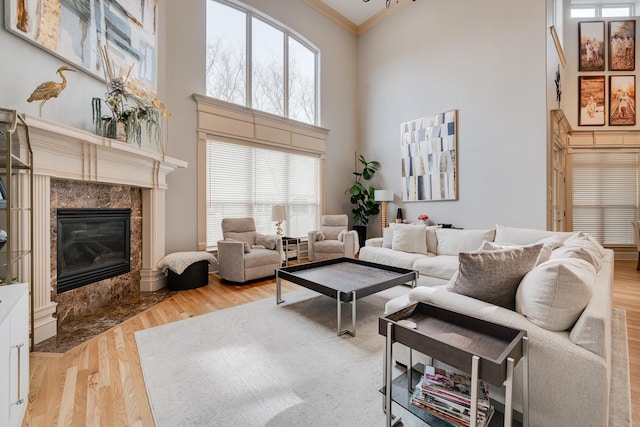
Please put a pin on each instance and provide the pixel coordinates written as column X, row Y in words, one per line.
column 447, row 395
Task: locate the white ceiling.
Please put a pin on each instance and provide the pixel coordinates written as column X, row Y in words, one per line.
column 357, row 11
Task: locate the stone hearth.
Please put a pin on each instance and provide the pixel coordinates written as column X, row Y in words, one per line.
column 65, row 154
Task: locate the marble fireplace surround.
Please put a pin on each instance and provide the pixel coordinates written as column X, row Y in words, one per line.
column 67, row 153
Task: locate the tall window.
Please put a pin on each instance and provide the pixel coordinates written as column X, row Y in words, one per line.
column 257, row 62
column 246, row 181
column 605, row 195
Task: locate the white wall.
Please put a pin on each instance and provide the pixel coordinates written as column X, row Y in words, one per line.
column 485, row 59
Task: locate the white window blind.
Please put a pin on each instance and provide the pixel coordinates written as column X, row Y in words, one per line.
column 246, row 181
column 605, row 195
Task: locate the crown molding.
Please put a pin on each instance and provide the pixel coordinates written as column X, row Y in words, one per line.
column 358, row 30
column 333, row 15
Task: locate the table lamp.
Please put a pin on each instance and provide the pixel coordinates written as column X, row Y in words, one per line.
column 278, row 214
column 383, row 196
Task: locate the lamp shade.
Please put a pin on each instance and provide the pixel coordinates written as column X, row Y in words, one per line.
column 383, row 196
column 278, row 213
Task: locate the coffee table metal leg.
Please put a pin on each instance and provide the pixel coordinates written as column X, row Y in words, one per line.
column 341, row 331
column 279, row 300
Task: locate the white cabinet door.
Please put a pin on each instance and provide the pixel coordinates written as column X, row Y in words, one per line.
column 19, row 361
column 5, row 370
column 14, row 353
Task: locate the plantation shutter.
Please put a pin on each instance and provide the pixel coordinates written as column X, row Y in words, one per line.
column 605, row 195
column 246, row 181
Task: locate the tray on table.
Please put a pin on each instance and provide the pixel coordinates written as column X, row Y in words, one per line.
column 455, row 338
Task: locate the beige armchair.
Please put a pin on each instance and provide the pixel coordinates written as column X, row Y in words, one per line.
column 333, row 240
column 245, row 254
column 636, row 235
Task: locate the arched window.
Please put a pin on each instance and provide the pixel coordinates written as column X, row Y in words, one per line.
column 248, row 159
column 257, row 62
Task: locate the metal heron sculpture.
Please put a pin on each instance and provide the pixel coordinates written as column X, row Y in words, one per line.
column 48, row 90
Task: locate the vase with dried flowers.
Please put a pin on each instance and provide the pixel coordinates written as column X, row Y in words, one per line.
column 131, row 107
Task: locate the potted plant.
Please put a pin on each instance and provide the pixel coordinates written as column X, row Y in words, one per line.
column 132, row 107
column 362, row 197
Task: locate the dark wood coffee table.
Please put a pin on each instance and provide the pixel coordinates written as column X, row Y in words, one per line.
column 345, row 279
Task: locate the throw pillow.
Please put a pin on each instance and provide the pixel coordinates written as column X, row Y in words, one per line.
column 269, row 242
column 526, row 236
column 554, row 294
column 452, row 241
column 584, row 240
column 545, row 253
column 494, row 276
column 331, row 232
column 410, row 238
column 432, row 238
column 387, row 236
column 564, row 252
column 601, row 249
column 319, row 236
column 246, row 246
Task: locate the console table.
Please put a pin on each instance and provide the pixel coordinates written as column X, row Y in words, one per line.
column 485, row 350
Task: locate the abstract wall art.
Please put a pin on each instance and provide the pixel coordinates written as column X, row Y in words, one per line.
column 429, row 151
column 75, row 30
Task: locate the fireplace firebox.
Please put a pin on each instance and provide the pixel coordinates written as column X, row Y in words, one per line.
column 92, row 245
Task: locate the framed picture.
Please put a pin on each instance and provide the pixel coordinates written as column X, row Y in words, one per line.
column 429, row 151
column 622, row 45
column 591, row 41
column 622, row 100
column 74, row 31
column 591, row 92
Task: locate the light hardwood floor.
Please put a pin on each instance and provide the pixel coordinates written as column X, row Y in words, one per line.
column 99, row 383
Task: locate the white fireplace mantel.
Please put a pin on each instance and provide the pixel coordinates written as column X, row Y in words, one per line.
column 65, row 152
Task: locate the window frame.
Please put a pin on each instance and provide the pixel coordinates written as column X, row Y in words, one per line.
column 598, row 7
column 288, row 32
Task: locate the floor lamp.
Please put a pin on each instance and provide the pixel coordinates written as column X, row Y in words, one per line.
column 383, row 196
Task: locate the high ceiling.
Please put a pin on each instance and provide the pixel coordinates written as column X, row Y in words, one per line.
column 357, row 15
column 356, row 11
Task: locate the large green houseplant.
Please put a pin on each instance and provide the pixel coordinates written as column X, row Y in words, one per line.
column 362, row 196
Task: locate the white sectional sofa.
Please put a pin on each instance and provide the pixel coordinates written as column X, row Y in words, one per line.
column 562, row 300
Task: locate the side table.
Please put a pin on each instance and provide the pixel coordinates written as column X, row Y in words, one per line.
column 291, row 244
column 485, row 350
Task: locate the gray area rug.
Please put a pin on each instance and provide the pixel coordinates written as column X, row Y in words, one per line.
column 260, row 364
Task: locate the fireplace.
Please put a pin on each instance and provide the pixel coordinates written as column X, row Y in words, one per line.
column 92, row 245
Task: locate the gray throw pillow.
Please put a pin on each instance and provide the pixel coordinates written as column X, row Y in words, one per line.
column 494, row 276
column 269, row 242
